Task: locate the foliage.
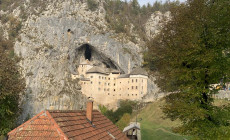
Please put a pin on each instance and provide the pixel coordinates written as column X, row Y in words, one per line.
column 126, row 106
column 11, row 85
column 130, row 17
column 92, row 4
column 124, row 121
column 190, row 54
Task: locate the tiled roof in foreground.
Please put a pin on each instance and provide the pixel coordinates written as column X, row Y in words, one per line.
column 58, row 124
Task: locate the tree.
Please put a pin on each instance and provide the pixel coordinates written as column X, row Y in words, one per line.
column 190, row 55
column 11, row 85
column 124, row 121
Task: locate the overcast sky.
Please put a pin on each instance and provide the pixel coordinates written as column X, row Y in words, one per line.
column 142, row 2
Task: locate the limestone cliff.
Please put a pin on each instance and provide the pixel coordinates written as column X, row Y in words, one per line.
column 50, row 44
column 155, row 23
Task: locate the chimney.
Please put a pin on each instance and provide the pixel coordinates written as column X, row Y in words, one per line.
column 89, row 111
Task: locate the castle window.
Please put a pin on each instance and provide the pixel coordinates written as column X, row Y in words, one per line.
column 108, row 89
column 120, row 82
column 136, row 80
column 91, row 76
column 105, row 78
column 128, row 88
column 128, row 94
column 120, row 94
column 132, row 94
column 136, row 87
column 109, row 78
column 128, row 81
column 136, row 94
column 108, row 84
column 91, row 82
column 102, row 77
column 104, row 89
column 114, row 78
column 142, row 81
column 99, row 89
column 132, row 87
column 114, row 84
column 132, row 80
column 99, row 83
column 99, row 77
column 84, row 82
column 108, row 93
column 114, row 89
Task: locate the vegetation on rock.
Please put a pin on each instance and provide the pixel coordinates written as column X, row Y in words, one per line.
column 11, row 86
column 130, row 17
column 126, row 106
column 190, row 55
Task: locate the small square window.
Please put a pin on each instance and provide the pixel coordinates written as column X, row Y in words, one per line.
column 114, row 84
column 114, row 89
column 109, row 78
column 136, row 87
column 91, row 82
column 91, row 76
column 99, row 83
column 136, row 80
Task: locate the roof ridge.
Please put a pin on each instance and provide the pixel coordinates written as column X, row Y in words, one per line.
column 59, row 130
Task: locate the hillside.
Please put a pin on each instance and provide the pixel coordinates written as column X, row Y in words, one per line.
column 154, row 126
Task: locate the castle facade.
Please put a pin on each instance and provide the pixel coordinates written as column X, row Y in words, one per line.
column 108, row 85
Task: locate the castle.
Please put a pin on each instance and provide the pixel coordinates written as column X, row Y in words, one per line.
column 107, row 85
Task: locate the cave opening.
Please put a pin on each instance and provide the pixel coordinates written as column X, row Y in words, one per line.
column 88, row 52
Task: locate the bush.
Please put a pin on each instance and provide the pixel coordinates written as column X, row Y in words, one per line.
column 124, row 121
column 92, row 5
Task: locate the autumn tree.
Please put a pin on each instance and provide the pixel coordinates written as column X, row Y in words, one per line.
column 11, row 86
column 190, row 55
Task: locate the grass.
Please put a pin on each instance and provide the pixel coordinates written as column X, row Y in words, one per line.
column 153, row 126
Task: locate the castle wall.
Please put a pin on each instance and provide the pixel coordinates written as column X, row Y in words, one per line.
column 107, row 89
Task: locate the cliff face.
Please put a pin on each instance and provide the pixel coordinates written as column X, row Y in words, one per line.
column 51, row 43
column 49, row 46
column 155, row 23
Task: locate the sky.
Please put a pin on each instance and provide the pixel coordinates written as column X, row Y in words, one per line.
column 142, row 2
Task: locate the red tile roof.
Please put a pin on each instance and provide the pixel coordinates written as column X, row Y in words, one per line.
column 56, row 125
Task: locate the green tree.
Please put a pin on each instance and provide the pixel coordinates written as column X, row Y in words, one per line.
column 190, row 55
column 11, row 85
column 124, row 121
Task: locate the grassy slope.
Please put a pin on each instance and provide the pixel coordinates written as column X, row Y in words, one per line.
column 154, row 127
